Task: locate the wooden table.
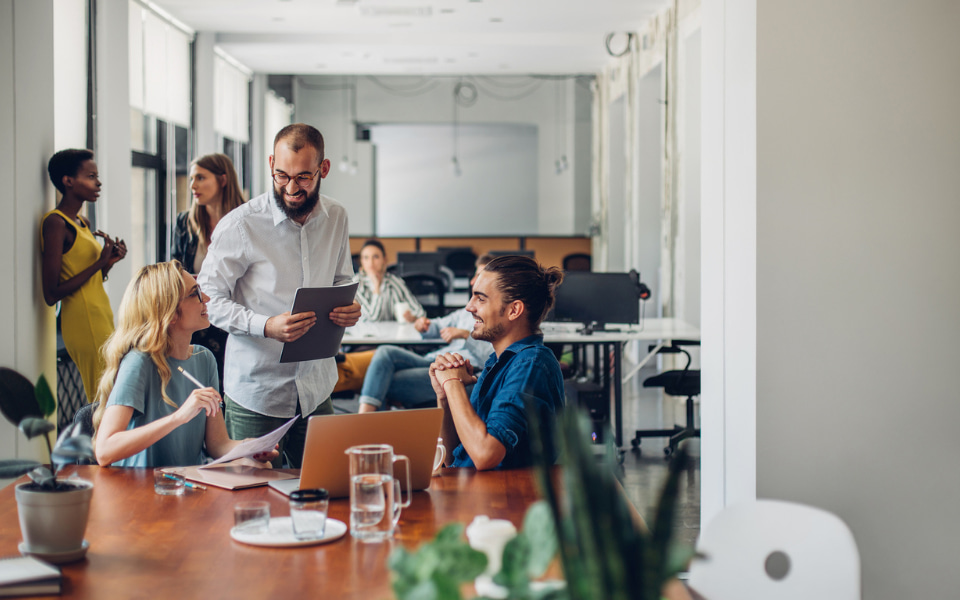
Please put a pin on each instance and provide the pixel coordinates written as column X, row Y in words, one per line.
column 145, row 545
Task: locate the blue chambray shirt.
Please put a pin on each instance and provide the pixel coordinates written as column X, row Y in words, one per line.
column 526, row 371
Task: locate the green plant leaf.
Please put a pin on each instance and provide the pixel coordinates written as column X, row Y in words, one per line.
column 44, row 396
column 43, row 477
column 538, row 527
column 513, row 569
column 34, row 426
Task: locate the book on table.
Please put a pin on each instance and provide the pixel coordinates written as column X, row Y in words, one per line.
column 28, row 576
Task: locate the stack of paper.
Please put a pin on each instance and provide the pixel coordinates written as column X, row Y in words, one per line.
column 27, row 576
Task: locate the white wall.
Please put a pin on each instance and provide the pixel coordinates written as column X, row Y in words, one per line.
column 324, row 109
column 854, row 216
column 858, row 206
column 70, row 73
column 27, row 325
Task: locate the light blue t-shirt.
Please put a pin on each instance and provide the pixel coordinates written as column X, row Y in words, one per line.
column 138, row 386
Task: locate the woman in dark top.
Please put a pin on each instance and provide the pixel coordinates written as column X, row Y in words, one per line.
column 216, row 191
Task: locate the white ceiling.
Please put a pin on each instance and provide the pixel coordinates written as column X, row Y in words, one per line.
column 396, row 37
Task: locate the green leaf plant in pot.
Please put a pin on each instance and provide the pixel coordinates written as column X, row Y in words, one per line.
column 605, row 553
column 53, row 510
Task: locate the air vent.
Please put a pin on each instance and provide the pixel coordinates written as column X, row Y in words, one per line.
column 395, row 11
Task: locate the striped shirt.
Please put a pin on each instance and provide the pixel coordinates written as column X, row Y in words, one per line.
column 379, row 307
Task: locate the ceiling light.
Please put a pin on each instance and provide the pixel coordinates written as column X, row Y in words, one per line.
column 447, row 11
column 496, row 20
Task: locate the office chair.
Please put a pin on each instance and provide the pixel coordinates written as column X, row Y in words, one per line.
column 685, row 382
column 461, row 262
column 429, row 290
column 774, row 549
column 84, row 418
column 577, row 261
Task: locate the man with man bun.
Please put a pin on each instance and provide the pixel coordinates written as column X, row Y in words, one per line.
column 489, row 428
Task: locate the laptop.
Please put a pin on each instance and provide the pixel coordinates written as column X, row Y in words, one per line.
column 412, row 433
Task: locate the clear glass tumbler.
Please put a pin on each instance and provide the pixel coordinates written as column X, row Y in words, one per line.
column 308, row 512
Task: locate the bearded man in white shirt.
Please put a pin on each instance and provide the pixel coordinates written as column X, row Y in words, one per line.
column 260, row 254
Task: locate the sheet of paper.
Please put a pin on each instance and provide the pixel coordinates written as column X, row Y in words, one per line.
column 263, row 443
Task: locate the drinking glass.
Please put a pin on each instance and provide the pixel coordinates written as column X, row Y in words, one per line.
column 308, row 512
column 168, row 482
column 252, row 517
column 375, row 498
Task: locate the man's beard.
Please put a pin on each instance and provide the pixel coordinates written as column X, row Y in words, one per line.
column 303, row 210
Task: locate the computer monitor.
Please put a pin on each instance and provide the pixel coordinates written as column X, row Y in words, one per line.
column 496, row 253
column 600, row 298
column 427, row 263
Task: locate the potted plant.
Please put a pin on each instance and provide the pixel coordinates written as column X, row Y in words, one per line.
column 604, row 552
column 53, row 511
column 20, row 399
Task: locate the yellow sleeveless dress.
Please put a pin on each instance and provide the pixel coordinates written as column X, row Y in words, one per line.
column 86, row 319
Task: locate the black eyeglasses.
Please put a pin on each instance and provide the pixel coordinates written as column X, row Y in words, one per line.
column 196, row 292
column 303, row 179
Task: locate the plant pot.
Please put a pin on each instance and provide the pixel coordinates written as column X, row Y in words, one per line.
column 53, row 522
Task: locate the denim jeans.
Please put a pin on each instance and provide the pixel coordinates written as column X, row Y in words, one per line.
column 398, row 375
column 243, row 423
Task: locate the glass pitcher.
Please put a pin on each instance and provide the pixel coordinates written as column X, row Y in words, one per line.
column 375, row 497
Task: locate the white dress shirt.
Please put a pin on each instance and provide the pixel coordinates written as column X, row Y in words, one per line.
column 257, row 260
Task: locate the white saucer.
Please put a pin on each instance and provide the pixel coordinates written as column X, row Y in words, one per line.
column 280, row 534
column 57, row 558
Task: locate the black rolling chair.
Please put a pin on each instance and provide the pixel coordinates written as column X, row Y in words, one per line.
column 685, row 382
column 84, row 418
column 429, row 290
column 461, row 262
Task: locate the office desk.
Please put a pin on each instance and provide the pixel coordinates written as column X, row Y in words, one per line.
column 660, row 331
column 145, row 545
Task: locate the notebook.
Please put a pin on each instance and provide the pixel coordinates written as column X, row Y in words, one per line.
column 412, row 433
column 28, row 576
column 233, row 476
column 323, row 339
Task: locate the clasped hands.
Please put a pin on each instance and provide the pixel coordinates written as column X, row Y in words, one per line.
column 449, row 366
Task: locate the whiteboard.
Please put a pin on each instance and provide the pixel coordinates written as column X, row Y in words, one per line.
column 418, row 193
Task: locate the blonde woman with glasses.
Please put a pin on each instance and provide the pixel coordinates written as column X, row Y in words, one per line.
column 149, row 414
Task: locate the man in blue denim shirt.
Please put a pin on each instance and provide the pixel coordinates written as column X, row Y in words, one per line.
column 488, row 430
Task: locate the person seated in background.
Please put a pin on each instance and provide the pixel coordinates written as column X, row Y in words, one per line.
column 380, row 292
column 401, row 376
column 139, row 422
column 488, row 428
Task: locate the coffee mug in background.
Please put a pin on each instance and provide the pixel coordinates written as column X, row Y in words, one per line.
column 400, row 310
column 438, row 457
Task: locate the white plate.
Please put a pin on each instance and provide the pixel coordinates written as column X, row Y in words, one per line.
column 280, row 534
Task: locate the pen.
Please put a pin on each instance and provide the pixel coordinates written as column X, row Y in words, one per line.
column 191, row 378
column 189, row 484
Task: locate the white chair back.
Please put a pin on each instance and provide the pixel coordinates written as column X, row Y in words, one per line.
column 775, row 550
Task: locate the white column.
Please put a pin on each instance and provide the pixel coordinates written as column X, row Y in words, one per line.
column 728, row 255
column 113, row 134
column 27, row 325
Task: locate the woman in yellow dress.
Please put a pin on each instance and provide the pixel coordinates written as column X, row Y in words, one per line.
column 75, row 265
